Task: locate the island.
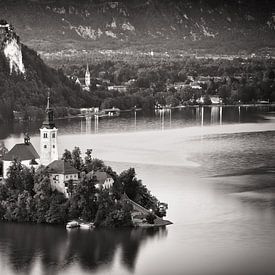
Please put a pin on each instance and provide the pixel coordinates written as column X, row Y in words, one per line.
column 47, row 189
column 98, row 195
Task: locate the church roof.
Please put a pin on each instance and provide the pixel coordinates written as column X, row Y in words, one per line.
column 61, row 167
column 21, row 152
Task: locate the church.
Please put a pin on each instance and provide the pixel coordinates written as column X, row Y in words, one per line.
column 59, row 171
column 48, row 138
column 27, row 154
column 86, row 82
column 24, row 152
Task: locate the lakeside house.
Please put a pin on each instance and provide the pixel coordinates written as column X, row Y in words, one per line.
column 215, row 100
column 60, row 173
column 111, row 112
column 103, row 179
column 119, row 88
column 89, row 111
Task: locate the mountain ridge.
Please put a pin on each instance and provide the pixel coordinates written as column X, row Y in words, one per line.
column 47, row 26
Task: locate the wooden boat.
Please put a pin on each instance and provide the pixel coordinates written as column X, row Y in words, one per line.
column 84, row 225
column 113, row 112
column 72, row 224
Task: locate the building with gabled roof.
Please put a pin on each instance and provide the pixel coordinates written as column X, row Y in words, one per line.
column 60, row 173
column 23, row 152
column 103, row 179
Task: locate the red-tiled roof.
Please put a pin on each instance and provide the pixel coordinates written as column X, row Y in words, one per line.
column 61, row 167
column 21, row 152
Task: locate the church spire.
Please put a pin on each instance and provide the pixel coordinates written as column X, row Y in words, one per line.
column 87, row 77
column 48, row 136
column 49, row 118
column 48, row 102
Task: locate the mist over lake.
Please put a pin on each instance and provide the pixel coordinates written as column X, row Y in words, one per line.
column 217, row 176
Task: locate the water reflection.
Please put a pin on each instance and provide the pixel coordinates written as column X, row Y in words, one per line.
column 24, row 246
column 136, row 121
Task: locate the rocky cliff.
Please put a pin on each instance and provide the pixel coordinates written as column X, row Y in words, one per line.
column 11, row 47
column 25, row 80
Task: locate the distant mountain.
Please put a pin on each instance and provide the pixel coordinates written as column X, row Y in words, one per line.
column 25, row 80
column 215, row 25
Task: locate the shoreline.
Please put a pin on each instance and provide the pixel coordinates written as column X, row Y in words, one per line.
column 161, row 109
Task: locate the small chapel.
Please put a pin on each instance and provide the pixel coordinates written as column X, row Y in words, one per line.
column 84, row 82
column 48, row 138
column 59, row 171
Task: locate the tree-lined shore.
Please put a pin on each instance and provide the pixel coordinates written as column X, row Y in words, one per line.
column 27, row 195
column 238, row 81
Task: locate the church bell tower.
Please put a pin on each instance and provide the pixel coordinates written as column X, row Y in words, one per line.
column 87, row 77
column 48, row 138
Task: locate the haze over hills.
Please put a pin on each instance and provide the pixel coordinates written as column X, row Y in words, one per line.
column 25, row 80
column 215, row 26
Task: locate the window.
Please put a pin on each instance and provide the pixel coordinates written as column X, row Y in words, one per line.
column 53, row 146
column 45, row 146
column 45, row 135
column 53, row 135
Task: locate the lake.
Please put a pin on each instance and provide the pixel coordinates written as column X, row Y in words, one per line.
column 215, row 167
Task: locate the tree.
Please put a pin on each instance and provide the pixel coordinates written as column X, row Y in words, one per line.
column 77, row 161
column 207, row 100
column 42, row 197
column 136, row 191
column 24, row 209
column 3, row 150
column 14, row 176
column 95, row 164
column 88, row 157
column 150, row 218
column 224, row 93
column 70, row 187
column 57, row 210
column 271, row 74
column 67, row 156
column 82, row 202
column 2, row 211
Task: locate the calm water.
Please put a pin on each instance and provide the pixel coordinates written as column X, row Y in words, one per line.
column 216, row 170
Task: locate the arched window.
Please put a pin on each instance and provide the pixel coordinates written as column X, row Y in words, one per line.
column 45, row 135
column 53, row 146
column 53, row 135
column 45, row 146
